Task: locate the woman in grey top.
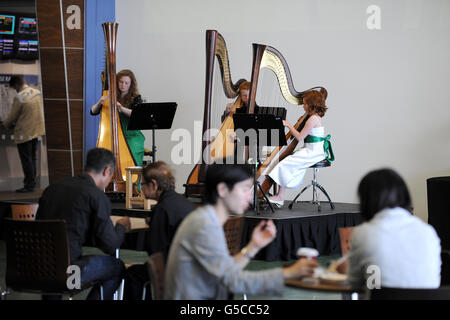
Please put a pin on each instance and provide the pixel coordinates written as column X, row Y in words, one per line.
column 199, row 265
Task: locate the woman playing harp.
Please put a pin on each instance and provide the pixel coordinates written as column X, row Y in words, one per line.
column 289, row 173
column 217, row 133
column 269, row 58
column 241, row 103
column 128, row 98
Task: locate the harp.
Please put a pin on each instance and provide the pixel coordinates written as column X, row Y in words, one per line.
column 269, row 57
column 110, row 133
column 220, row 146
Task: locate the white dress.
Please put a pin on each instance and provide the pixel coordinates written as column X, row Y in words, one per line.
column 290, row 171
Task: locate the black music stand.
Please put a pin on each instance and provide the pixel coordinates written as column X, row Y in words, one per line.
column 257, row 122
column 155, row 115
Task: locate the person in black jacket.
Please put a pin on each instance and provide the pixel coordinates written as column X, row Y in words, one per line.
column 158, row 184
column 81, row 202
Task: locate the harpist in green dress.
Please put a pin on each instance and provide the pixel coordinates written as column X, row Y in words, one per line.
column 128, row 98
column 135, row 138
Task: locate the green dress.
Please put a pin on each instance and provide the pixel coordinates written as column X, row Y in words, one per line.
column 135, row 138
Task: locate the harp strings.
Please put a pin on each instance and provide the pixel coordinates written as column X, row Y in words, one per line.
column 219, row 100
column 268, row 95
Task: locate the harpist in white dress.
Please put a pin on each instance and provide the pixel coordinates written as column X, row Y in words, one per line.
column 290, row 171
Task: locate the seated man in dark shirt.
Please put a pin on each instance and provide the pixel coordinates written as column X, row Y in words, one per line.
column 81, row 202
column 158, row 184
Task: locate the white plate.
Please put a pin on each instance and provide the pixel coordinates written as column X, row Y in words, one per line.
column 333, row 278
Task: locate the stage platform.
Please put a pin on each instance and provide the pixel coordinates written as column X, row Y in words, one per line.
column 303, row 226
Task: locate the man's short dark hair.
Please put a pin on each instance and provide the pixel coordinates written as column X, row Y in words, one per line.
column 161, row 173
column 98, row 159
column 230, row 174
column 16, row 80
column 381, row 189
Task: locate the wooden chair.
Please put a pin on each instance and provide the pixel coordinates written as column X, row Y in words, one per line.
column 130, row 199
column 233, row 233
column 445, row 267
column 442, row 293
column 24, row 211
column 37, row 257
column 157, row 271
column 345, row 234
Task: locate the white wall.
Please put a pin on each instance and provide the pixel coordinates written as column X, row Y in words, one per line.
column 389, row 103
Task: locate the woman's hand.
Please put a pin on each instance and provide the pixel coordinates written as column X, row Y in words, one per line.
column 302, row 268
column 263, row 234
column 232, row 136
column 287, row 124
column 95, row 109
column 123, row 110
column 102, row 100
column 119, row 105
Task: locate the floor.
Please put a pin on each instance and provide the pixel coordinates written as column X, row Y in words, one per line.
column 129, row 256
column 21, row 197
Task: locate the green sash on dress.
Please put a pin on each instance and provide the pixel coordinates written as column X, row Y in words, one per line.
column 135, row 140
column 326, row 145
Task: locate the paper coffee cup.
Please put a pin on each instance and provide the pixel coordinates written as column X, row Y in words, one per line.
column 308, row 253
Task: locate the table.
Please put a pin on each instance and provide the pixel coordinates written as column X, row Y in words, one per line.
column 137, row 224
column 314, row 284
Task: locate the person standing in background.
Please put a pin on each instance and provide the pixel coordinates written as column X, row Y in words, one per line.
column 27, row 119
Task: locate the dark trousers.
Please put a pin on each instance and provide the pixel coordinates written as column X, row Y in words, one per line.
column 107, row 270
column 135, row 278
column 27, row 153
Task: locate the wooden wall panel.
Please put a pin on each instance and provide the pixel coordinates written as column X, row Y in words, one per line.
column 74, row 37
column 76, row 117
column 52, row 70
column 78, row 161
column 62, row 68
column 60, row 161
column 75, row 62
column 57, row 135
column 53, row 73
column 49, row 23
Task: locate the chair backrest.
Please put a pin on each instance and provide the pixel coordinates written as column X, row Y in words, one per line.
column 345, row 234
column 24, row 211
column 157, row 272
column 233, row 233
column 442, row 293
column 445, row 267
column 37, row 255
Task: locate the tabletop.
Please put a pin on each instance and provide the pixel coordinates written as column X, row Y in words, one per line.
column 320, row 285
column 137, row 224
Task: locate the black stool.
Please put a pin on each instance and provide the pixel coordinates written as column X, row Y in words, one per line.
column 315, row 185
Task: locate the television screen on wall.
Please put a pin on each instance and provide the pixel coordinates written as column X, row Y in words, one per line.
column 7, row 24
column 6, row 48
column 18, row 37
column 27, row 26
column 27, row 50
